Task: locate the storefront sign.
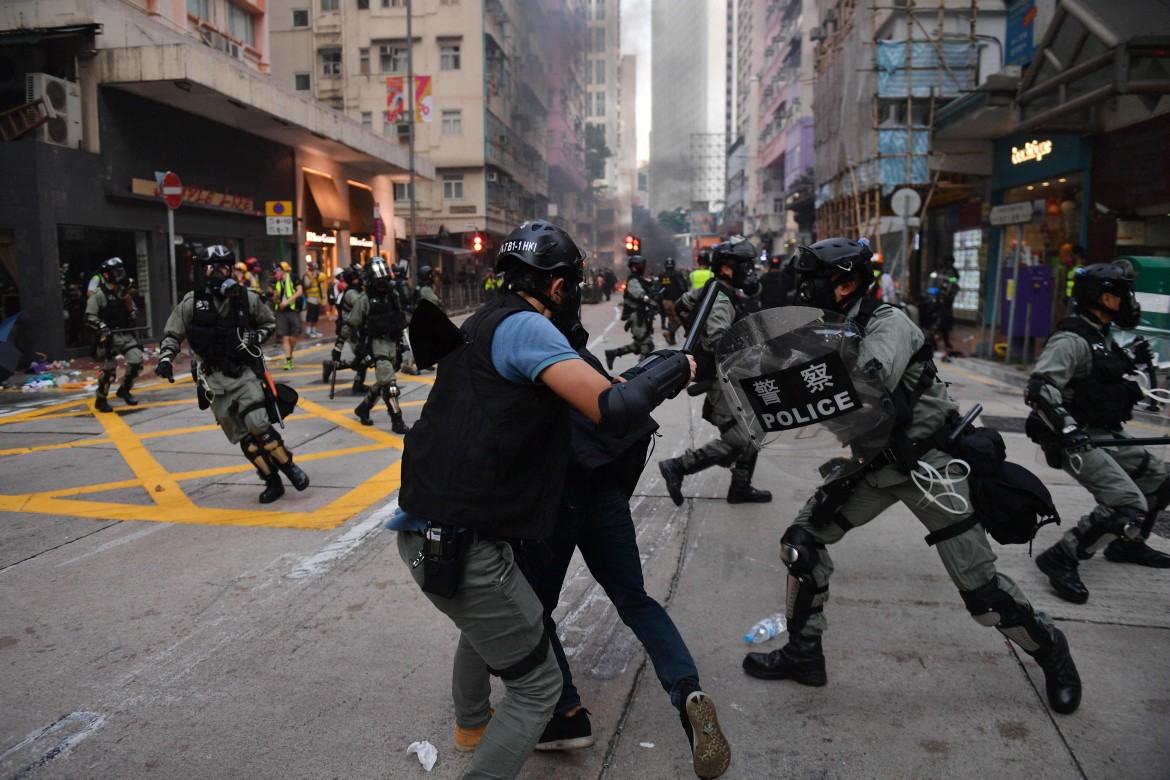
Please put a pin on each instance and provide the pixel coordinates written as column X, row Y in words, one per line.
column 194, row 195
column 1011, row 214
column 1031, row 151
column 319, row 238
column 1131, row 232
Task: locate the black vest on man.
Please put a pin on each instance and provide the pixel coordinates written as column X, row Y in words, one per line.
column 487, row 454
column 1104, row 398
column 215, row 337
column 385, row 319
column 114, row 314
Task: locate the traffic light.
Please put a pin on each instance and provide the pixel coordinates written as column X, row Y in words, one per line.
column 633, row 244
column 477, row 243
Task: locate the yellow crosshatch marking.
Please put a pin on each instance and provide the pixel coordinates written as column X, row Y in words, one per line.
column 170, row 502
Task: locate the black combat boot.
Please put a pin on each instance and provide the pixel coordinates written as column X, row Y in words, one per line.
column 1123, row 550
column 1061, row 569
column 273, row 488
column 744, row 493
column 610, row 356
column 124, row 394
column 800, row 660
column 673, row 472
column 102, row 405
column 298, row 478
column 362, row 411
column 397, row 424
column 1061, row 680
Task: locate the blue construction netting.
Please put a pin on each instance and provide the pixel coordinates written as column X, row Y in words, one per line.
column 929, row 76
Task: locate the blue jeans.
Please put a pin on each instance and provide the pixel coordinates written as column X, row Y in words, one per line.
column 604, row 531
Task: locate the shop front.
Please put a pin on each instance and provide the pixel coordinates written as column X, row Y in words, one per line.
column 1131, row 192
column 1038, row 222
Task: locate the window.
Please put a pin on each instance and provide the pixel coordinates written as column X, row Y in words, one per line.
column 363, row 5
column 598, row 38
column 449, row 56
column 599, row 65
column 301, row 81
column 364, row 61
column 453, row 186
column 300, row 17
column 402, row 190
column 452, row 122
column 368, row 120
column 331, row 63
column 599, row 10
column 200, row 8
column 393, row 3
column 392, row 57
column 600, row 104
column 448, row 2
column 241, row 25
column 328, row 5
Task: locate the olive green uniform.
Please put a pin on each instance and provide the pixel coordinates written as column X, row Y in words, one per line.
column 383, row 349
column 638, row 312
column 110, row 345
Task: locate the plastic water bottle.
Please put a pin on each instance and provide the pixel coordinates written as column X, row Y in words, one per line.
column 766, row 628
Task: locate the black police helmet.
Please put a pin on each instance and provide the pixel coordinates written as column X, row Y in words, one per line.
column 669, row 264
column 826, row 264
column 738, row 253
column 541, row 246
column 378, row 269
column 221, row 261
column 1092, row 281
column 637, row 264
column 113, row 270
column 352, row 275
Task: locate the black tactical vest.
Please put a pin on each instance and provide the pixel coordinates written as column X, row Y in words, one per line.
column 214, row 338
column 385, row 318
column 487, row 454
column 1104, row 398
column 114, row 314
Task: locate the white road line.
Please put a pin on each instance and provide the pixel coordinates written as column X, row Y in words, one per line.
column 344, row 544
column 76, row 727
column 148, row 528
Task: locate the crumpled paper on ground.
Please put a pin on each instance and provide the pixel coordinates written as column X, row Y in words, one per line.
column 427, row 754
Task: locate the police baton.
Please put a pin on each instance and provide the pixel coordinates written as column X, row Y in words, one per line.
column 131, row 330
column 1126, row 442
column 696, row 332
column 333, row 381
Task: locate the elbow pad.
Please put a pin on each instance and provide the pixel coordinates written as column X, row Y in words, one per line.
column 1053, row 415
column 660, row 376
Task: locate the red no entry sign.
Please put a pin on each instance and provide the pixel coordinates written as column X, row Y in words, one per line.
column 172, row 189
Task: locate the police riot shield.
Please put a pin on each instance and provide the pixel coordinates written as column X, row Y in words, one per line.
column 797, row 379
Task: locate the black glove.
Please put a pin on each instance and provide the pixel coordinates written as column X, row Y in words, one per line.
column 165, row 370
column 250, row 338
column 230, row 288
column 1073, row 439
column 627, row 325
column 335, row 355
column 1142, row 351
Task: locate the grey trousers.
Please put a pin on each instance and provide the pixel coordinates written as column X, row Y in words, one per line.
column 968, row 557
column 501, row 621
column 1116, row 476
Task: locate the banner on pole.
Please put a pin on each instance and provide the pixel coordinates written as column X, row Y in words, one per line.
column 396, row 99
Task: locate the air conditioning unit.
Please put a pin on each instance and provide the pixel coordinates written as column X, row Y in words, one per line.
column 62, row 100
column 213, row 39
column 492, row 176
column 403, row 131
column 816, row 34
column 235, row 49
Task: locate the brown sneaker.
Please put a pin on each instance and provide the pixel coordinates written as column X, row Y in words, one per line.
column 710, row 750
column 466, row 740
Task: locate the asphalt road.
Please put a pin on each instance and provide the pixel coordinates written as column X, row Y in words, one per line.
column 157, row 622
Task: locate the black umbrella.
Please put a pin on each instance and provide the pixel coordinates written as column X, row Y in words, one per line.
column 10, row 359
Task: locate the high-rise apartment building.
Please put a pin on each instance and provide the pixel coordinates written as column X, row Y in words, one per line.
column 690, row 105
column 139, row 88
column 481, row 73
column 604, row 110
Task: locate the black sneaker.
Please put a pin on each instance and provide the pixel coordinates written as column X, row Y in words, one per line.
column 710, row 750
column 567, row 733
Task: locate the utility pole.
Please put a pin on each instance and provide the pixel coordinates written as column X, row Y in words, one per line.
column 410, row 118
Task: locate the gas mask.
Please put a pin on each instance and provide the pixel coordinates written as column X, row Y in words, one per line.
column 818, row 292
column 1129, row 312
column 566, row 315
column 217, row 276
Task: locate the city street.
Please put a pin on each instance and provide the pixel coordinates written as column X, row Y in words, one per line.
column 157, row 622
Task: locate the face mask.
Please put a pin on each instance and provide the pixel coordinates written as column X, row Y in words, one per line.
column 817, row 292
column 567, row 315
column 219, row 274
column 1129, row 313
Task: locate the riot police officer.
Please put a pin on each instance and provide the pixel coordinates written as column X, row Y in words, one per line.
column 426, row 286
column 225, row 323
column 379, row 317
column 111, row 312
column 834, row 275
column 733, row 264
column 638, row 307
column 671, row 286
column 1079, row 392
column 359, row 346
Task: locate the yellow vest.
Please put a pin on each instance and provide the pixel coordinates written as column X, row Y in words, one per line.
column 699, row 277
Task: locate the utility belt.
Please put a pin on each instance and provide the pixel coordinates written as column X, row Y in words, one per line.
column 229, row 368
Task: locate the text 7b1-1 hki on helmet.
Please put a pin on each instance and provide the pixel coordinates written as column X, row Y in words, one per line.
column 541, row 246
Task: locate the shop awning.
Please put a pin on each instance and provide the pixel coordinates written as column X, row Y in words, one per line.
column 361, row 210
column 1096, row 51
column 334, row 215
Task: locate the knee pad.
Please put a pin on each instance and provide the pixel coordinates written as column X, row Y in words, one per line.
column 990, row 606
column 105, row 379
column 1125, row 523
column 799, row 550
column 255, row 455
column 390, row 396
column 274, row 447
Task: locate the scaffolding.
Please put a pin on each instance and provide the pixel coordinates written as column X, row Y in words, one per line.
column 881, row 75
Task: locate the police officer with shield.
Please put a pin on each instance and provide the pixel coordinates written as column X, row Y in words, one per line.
column 111, row 312
column 638, row 307
column 378, row 315
column 1079, row 392
column 225, row 323
column 733, row 263
column 834, row 275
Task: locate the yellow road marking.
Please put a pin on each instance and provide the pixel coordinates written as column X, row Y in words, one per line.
column 143, row 464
